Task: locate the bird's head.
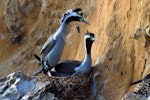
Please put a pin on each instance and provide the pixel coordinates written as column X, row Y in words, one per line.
column 89, row 39
column 73, row 15
column 89, row 36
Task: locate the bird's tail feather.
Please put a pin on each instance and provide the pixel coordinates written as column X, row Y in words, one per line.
column 38, row 72
column 37, row 57
column 136, row 82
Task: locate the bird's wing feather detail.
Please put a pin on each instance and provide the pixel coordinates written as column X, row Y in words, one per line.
column 49, row 44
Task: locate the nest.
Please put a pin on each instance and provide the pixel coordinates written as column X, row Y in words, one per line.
column 69, row 88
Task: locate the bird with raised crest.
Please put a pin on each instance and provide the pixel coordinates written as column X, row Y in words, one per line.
column 54, row 46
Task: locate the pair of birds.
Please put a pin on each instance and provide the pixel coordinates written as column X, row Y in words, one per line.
column 54, row 46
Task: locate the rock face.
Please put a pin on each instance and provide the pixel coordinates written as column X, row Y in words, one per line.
column 122, row 29
column 15, row 85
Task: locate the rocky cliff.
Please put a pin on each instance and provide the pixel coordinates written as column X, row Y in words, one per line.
column 121, row 52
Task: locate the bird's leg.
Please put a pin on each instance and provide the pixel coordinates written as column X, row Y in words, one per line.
column 45, row 65
column 38, row 72
column 48, row 69
column 49, row 73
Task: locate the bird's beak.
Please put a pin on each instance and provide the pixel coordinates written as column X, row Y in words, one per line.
column 86, row 22
column 96, row 39
column 82, row 20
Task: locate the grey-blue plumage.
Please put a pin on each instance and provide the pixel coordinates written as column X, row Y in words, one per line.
column 54, row 46
column 87, row 62
column 78, row 67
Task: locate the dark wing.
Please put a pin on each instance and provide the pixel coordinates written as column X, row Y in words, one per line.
column 37, row 57
column 67, row 66
column 48, row 45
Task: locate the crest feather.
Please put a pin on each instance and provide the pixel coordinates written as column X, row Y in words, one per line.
column 77, row 10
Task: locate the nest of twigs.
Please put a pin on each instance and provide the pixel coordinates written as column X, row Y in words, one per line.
column 69, row 88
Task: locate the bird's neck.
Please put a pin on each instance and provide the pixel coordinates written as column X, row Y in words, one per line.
column 88, row 46
column 87, row 60
column 61, row 32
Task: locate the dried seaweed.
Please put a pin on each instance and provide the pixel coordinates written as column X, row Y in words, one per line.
column 76, row 87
